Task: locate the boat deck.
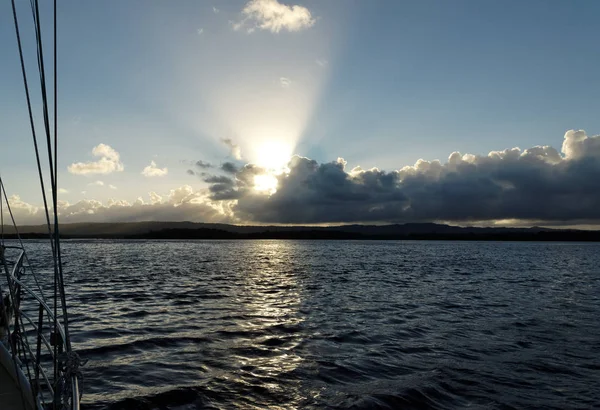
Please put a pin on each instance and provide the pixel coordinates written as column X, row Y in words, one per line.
column 10, row 395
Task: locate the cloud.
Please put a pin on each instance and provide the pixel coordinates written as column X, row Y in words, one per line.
column 112, row 187
column 63, row 191
column 181, row 204
column 201, row 165
column 218, row 180
column 321, row 62
column 204, row 165
column 215, row 10
column 577, row 145
column 273, row 16
column 537, row 184
column 229, row 167
column 155, row 198
column 235, row 150
column 19, row 207
column 109, row 162
column 285, row 82
column 152, row 170
column 96, row 183
column 200, row 31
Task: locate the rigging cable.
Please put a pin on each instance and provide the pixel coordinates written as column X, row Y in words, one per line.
column 35, row 144
column 56, row 368
column 55, row 195
column 54, row 241
column 12, row 342
column 53, row 164
column 31, row 122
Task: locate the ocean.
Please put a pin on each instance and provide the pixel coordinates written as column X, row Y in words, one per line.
column 334, row 324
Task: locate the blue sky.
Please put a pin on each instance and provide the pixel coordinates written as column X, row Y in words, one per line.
column 379, row 83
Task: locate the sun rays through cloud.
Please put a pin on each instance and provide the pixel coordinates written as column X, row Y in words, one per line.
column 273, row 154
column 257, row 91
column 265, row 183
column 254, row 122
column 267, row 117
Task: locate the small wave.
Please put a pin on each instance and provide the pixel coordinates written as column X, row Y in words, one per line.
column 143, row 344
column 181, row 398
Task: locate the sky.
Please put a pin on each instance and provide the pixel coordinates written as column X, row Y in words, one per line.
column 312, row 112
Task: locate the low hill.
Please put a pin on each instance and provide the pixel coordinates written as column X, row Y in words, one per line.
column 192, row 230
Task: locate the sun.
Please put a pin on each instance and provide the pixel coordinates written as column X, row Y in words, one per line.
column 265, row 183
column 273, row 154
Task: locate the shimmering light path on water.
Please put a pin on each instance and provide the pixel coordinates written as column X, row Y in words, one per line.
column 335, row 324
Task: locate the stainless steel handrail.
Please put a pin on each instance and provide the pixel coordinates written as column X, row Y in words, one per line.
column 41, row 302
column 43, row 372
column 26, row 327
column 35, row 327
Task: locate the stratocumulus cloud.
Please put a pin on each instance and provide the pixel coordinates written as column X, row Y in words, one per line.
column 538, row 185
column 183, row 203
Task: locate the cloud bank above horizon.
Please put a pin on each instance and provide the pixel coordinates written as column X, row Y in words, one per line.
column 539, row 185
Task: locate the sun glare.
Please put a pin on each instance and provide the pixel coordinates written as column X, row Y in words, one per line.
column 265, row 183
column 273, row 154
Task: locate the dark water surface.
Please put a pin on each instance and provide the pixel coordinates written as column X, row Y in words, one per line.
column 336, row 324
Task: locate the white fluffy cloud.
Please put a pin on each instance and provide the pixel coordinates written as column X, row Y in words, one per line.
column 180, row 204
column 577, row 145
column 109, row 161
column 155, row 198
column 96, row 183
column 274, row 16
column 153, row 170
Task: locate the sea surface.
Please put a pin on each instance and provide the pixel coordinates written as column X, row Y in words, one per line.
column 335, row 324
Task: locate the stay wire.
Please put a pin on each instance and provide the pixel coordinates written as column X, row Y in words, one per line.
column 53, row 239
column 55, row 193
column 37, row 283
column 31, row 121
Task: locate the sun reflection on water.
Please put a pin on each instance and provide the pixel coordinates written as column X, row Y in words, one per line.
column 270, row 298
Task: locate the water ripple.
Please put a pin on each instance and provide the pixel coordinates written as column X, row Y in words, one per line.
column 336, row 324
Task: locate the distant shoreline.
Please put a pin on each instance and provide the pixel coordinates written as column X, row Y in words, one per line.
column 463, row 234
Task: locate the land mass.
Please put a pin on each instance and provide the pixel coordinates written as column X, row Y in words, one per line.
column 192, row 230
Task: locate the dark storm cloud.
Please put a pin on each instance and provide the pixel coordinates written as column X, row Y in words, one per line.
column 190, row 172
column 535, row 184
